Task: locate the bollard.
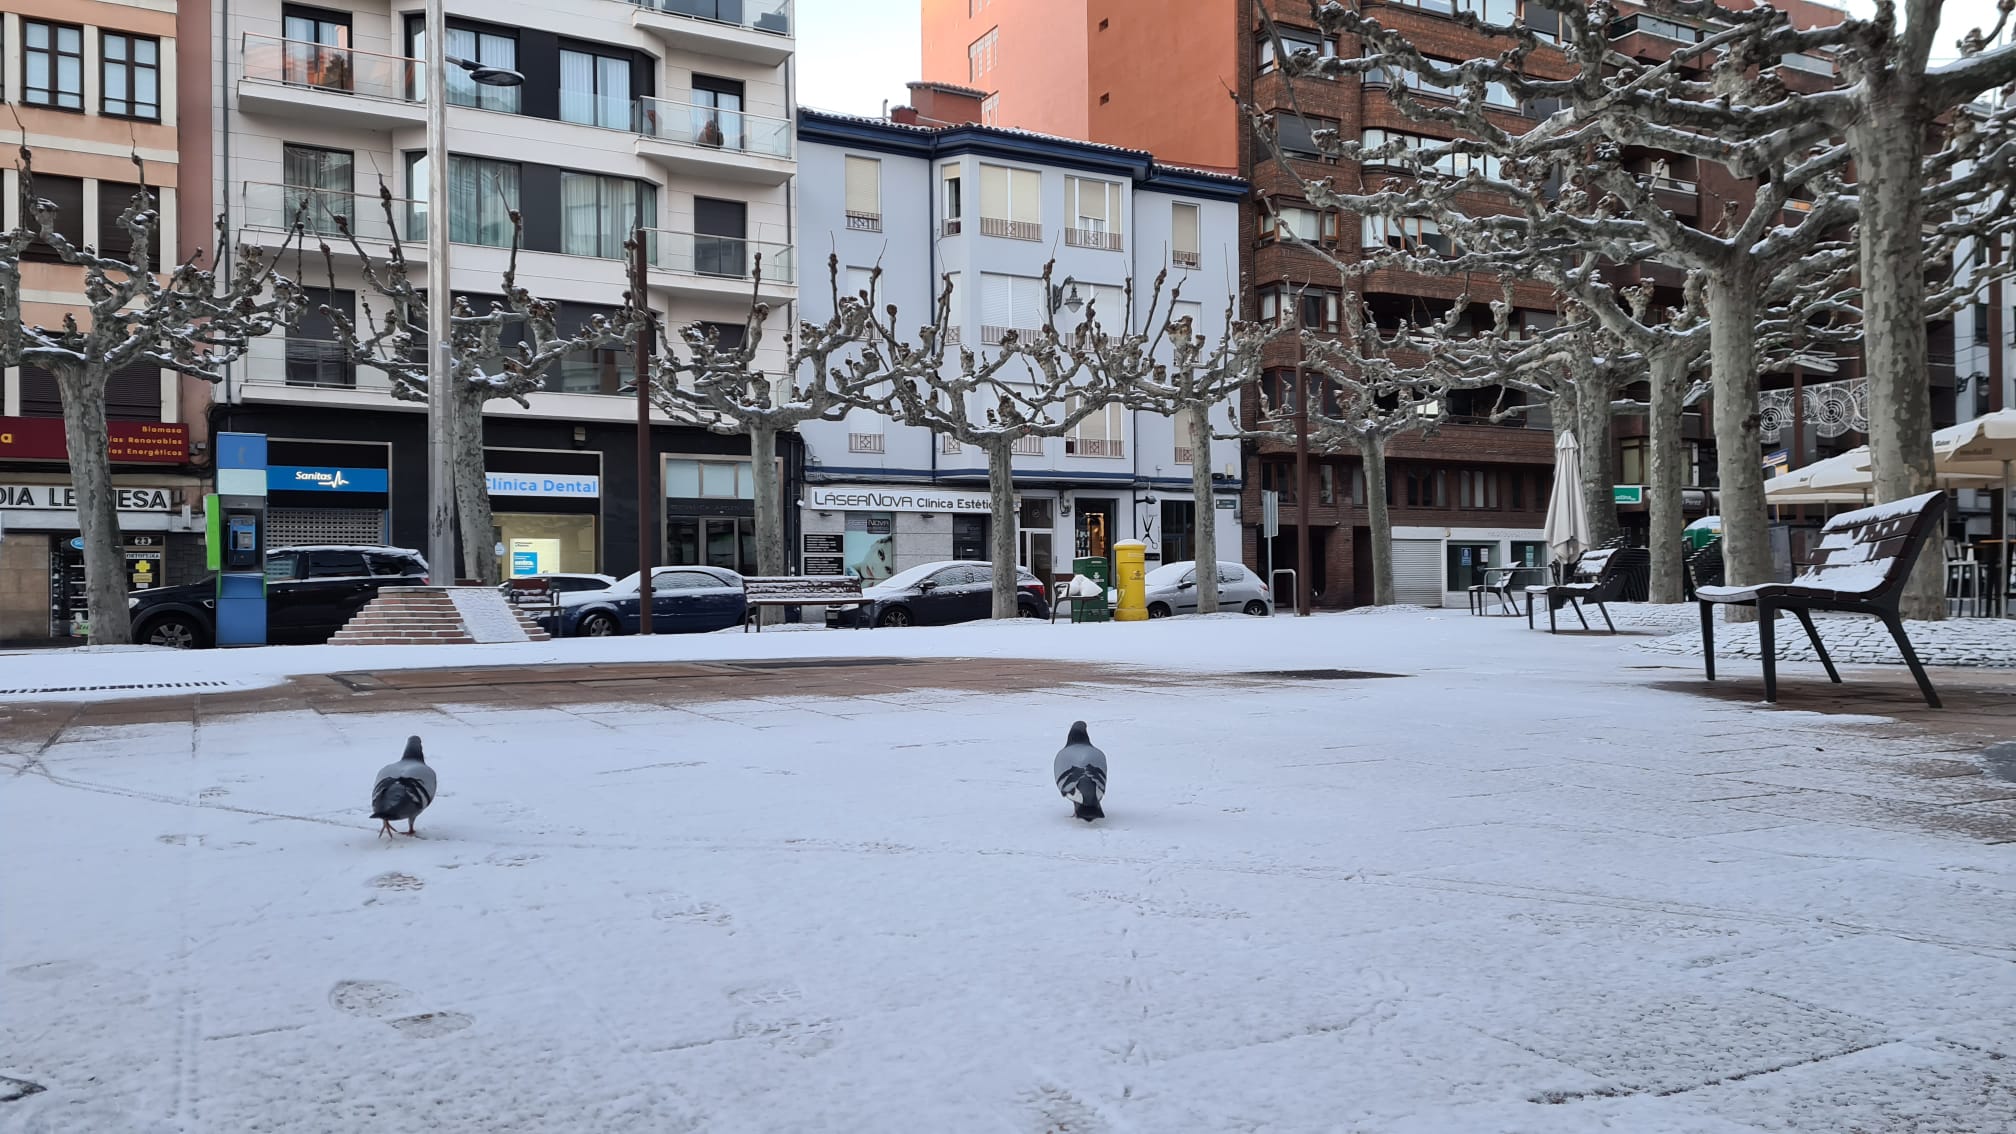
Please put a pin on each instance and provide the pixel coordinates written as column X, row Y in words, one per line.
column 1130, row 563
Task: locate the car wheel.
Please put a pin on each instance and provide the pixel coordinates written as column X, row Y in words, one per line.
column 597, row 626
column 1256, row 607
column 1027, row 610
column 1158, row 610
column 175, row 631
column 894, row 616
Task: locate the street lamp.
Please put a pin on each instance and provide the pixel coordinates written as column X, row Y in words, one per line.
column 440, row 407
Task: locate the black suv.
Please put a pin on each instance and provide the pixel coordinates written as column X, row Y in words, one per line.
column 310, row 593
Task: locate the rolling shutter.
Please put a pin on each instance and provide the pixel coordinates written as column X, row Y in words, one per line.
column 1417, row 571
column 309, row 527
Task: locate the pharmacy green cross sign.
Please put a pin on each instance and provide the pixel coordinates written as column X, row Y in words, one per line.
column 1628, row 493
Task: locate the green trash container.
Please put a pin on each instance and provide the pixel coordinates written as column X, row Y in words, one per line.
column 1093, row 609
column 1702, row 532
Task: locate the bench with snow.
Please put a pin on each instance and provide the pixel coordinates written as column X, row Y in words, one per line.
column 1863, row 562
column 1601, row 576
column 797, row 590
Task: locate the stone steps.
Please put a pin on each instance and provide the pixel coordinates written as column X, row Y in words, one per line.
column 416, row 616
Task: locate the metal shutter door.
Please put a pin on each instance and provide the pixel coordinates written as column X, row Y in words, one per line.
column 299, row 527
column 1417, row 571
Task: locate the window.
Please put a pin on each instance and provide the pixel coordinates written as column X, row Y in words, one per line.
column 1321, row 307
column 1298, row 135
column 67, row 194
column 1426, row 488
column 1390, row 149
column 1094, row 211
column 1314, row 226
column 864, row 194
column 317, row 48
column 720, row 241
column 595, row 89
column 1296, row 41
column 1981, row 317
column 1011, row 202
column 1326, row 484
column 709, row 480
column 717, row 112
column 1542, row 21
column 597, row 370
column 980, row 56
column 319, row 186
column 950, row 198
column 1406, row 234
column 131, row 74
column 1358, row 486
column 114, row 238
column 52, row 65
column 336, row 565
column 728, row 336
column 975, row 7
column 1632, row 461
column 990, row 110
column 1185, row 243
column 1278, row 476
column 482, row 195
column 598, row 213
column 1010, row 303
column 490, row 48
column 1099, row 434
column 1477, row 489
column 1468, row 562
column 314, row 356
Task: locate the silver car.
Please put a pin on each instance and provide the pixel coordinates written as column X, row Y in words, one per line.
column 1172, row 589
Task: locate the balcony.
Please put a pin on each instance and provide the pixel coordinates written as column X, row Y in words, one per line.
column 1094, row 447
column 1183, row 453
column 697, row 265
column 333, row 86
column 690, row 140
column 1186, row 259
column 1094, row 238
column 267, row 213
column 1027, row 447
column 1011, row 229
column 864, row 443
column 753, row 31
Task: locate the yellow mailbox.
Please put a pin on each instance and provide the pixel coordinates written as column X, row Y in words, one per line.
column 1130, row 563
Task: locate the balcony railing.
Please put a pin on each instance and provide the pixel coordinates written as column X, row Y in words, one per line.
column 1183, row 453
column 736, row 131
column 951, row 227
column 1028, row 447
column 949, row 446
column 320, row 66
column 1812, row 64
column 864, row 222
column 1654, row 26
column 1094, row 238
column 1094, row 447
column 992, row 336
column 1186, row 259
column 319, row 363
column 1676, row 185
column 725, row 257
column 1012, row 229
column 772, row 16
column 321, row 212
column 864, row 442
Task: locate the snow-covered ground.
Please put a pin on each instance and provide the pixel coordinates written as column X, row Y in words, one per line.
column 1517, row 888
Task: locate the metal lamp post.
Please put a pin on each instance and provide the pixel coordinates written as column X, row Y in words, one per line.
column 440, row 403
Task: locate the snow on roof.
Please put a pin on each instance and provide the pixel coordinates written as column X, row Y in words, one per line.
column 1034, row 136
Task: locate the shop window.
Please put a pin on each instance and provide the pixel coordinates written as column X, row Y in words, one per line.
column 709, row 480
column 1467, row 563
column 1039, row 522
column 1528, row 553
column 969, row 536
column 869, row 545
column 541, row 544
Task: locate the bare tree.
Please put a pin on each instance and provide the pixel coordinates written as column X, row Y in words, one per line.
column 502, row 352
column 184, row 319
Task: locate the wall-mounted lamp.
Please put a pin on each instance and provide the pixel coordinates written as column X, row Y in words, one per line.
column 580, row 436
column 1063, row 507
column 825, row 515
column 1059, row 299
column 926, row 515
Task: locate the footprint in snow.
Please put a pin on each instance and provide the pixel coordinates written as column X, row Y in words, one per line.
column 379, row 999
column 394, row 880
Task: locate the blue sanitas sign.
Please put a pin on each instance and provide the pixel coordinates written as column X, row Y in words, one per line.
column 314, row 478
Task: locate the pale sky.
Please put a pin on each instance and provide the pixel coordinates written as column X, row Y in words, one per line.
column 853, row 54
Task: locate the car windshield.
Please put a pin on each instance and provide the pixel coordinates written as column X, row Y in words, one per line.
column 904, row 579
column 1167, row 575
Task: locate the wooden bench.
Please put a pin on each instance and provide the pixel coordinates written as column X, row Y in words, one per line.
column 797, row 590
column 1863, row 563
column 1601, row 576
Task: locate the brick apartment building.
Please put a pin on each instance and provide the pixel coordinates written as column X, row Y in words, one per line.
column 1123, row 72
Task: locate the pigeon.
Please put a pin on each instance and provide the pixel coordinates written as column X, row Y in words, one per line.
column 1081, row 774
column 403, row 790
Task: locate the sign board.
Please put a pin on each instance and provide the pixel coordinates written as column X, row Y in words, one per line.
column 823, row 543
column 824, row 565
column 1628, row 493
column 895, row 498
column 1227, row 503
column 524, row 563
column 576, row 486
column 65, row 496
column 1777, row 462
column 1270, row 514
column 324, row 478
column 129, row 442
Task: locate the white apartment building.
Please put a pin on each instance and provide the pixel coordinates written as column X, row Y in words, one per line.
column 669, row 115
column 989, row 207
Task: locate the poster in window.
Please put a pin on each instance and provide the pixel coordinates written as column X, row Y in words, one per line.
column 870, row 546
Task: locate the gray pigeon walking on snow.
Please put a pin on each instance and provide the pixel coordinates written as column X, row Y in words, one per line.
column 1081, row 774
column 403, row 790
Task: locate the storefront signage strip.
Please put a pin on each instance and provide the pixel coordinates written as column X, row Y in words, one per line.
column 65, row 496
column 128, row 442
column 322, row 478
column 576, row 486
column 868, row 498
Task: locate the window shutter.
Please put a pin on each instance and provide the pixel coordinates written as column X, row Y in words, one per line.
column 1116, row 210
column 994, row 192
column 1026, row 196
column 133, row 394
column 1028, row 300
column 997, row 300
column 39, row 394
column 1088, row 198
column 1183, row 234
column 864, row 186
column 856, row 281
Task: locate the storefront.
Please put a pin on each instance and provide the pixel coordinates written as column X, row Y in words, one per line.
column 327, row 492
column 42, row 556
column 546, row 507
column 875, row 530
column 710, row 511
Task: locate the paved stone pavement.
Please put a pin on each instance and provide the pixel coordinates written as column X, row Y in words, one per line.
column 1851, row 639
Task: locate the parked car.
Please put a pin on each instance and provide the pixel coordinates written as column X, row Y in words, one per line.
column 1172, row 589
column 684, row 600
column 936, row 594
column 310, row 593
column 545, row 590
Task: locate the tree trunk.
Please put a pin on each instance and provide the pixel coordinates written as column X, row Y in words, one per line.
column 472, row 498
column 1669, row 462
column 769, row 511
column 1746, row 534
column 1888, row 143
column 1001, row 494
column 1372, row 454
column 1593, row 432
column 1204, row 527
column 97, row 506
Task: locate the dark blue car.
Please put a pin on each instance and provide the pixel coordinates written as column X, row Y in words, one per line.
column 684, row 600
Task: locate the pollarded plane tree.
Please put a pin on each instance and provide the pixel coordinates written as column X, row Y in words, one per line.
column 185, row 318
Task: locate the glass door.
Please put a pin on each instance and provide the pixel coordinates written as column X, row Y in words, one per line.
column 317, row 52
column 723, row 544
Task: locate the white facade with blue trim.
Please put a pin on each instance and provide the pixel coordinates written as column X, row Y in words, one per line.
column 989, row 207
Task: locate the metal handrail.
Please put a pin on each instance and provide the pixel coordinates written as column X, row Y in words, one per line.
column 712, row 127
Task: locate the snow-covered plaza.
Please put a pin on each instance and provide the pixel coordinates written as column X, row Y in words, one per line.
column 1402, row 872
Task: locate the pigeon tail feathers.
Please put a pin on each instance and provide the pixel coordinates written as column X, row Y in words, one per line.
column 400, row 798
column 1087, row 808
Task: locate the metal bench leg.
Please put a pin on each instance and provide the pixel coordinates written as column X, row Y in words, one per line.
column 1767, row 643
column 1813, row 635
column 1529, row 610
column 1708, row 637
column 1605, row 612
column 1552, row 609
column 1576, row 605
column 1896, row 624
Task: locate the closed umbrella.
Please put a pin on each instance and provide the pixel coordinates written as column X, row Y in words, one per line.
column 1567, row 527
column 1981, row 445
